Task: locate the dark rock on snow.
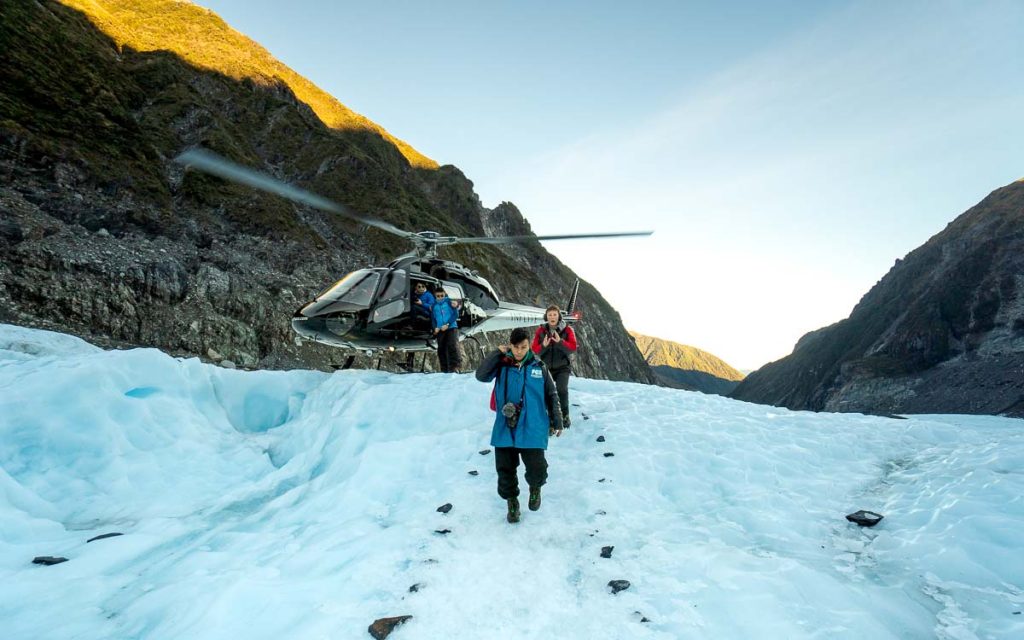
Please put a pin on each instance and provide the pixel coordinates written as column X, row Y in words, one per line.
column 443, row 532
column 606, row 552
column 618, row 585
column 484, row 452
column 600, row 438
column 474, row 472
column 382, row 627
column 104, row 536
column 608, row 454
column 445, row 508
column 416, row 587
column 48, row 560
column 865, row 518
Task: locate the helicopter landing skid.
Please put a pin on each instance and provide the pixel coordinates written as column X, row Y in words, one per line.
column 342, row 367
column 409, row 366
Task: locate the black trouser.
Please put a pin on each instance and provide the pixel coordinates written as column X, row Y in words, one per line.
column 561, row 377
column 506, row 461
column 448, row 356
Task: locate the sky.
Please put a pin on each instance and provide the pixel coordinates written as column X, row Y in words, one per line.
column 785, row 158
column 301, row 504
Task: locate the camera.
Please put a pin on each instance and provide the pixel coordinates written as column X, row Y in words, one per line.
column 511, row 412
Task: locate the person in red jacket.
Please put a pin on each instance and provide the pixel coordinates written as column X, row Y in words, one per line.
column 555, row 343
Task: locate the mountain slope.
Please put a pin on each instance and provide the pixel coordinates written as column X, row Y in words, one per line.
column 686, row 367
column 102, row 235
column 199, row 37
column 942, row 332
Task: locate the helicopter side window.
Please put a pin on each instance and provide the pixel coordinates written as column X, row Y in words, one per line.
column 454, row 294
column 396, row 285
column 479, row 296
column 392, row 301
column 356, row 288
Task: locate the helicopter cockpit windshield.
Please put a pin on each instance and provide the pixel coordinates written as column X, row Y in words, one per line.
column 356, row 288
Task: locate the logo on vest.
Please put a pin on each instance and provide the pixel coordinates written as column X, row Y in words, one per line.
column 537, row 373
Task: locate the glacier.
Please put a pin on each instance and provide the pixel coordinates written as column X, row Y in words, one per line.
column 300, row 504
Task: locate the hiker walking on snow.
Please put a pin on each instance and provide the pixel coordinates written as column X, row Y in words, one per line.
column 527, row 412
column 555, row 343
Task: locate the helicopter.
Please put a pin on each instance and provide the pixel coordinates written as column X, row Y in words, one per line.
column 370, row 310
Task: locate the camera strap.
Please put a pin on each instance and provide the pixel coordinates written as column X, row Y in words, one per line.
column 522, row 398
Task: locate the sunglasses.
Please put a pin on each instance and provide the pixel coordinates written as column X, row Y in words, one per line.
column 439, row 295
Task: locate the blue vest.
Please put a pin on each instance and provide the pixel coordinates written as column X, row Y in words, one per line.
column 532, row 429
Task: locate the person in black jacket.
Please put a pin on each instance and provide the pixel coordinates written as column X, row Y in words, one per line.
column 555, row 343
column 526, row 413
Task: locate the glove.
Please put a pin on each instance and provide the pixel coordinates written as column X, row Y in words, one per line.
column 555, row 432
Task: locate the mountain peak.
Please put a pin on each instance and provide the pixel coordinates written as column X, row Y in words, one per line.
column 201, row 38
column 659, row 352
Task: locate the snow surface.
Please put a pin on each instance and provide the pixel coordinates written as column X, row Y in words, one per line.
column 303, row 505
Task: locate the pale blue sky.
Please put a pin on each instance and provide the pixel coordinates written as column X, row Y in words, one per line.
column 785, row 153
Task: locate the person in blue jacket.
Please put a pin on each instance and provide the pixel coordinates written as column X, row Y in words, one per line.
column 527, row 413
column 422, row 303
column 445, row 316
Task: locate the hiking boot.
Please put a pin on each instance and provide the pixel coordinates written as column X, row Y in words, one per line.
column 513, row 510
column 534, row 503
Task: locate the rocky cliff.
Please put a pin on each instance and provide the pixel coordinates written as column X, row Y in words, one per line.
column 685, row 367
column 942, row 332
column 102, row 236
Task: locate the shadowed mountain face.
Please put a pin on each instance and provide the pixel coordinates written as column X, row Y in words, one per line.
column 942, row 332
column 101, row 235
column 684, row 367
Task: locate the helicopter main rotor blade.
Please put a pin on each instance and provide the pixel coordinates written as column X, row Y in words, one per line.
column 573, row 236
column 210, row 162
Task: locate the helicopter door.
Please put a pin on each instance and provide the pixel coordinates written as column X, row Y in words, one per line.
column 393, row 300
column 454, row 292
